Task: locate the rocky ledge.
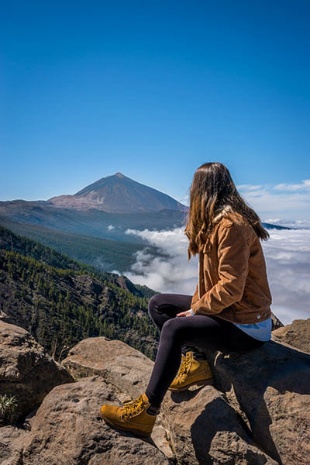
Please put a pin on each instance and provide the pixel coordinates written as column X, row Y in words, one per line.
column 257, row 413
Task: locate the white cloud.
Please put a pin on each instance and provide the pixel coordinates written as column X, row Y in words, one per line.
column 284, row 201
column 288, row 263
column 249, row 187
column 296, row 224
column 169, row 272
column 303, row 186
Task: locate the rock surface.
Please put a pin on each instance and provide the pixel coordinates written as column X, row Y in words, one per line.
column 26, row 371
column 271, row 387
column 257, row 413
column 69, row 416
column 205, row 429
column 296, row 334
column 120, row 365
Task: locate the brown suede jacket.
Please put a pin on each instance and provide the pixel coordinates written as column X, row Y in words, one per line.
column 232, row 281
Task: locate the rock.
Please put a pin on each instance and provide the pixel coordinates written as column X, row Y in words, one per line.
column 26, row 371
column 271, row 386
column 208, row 425
column 257, row 412
column 297, row 334
column 205, row 429
column 11, row 440
column 66, row 430
column 124, row 367
column 276, row 323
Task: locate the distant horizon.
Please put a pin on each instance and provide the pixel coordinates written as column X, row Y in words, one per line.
column 252, row 194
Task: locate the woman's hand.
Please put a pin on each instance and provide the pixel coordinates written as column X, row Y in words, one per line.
column 186, row 313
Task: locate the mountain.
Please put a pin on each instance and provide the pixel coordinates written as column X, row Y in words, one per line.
column 60, row 301
column 118, row 194
column 91, row 226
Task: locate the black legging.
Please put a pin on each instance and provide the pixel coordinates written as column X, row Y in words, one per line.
column 199, row 331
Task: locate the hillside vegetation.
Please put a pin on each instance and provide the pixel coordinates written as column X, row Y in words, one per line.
column 61, row 302
column 93, row 237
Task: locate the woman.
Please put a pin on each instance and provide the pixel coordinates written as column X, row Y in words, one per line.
column 230, row 308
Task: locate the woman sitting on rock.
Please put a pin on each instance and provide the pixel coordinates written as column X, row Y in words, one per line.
column 230, row 308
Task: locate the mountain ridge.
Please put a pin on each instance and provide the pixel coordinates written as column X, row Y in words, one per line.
column 118, row 194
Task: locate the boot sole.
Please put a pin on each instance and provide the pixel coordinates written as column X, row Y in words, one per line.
column 203, row 382
column 141, row 434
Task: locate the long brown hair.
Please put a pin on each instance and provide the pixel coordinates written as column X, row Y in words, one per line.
column 211, row 191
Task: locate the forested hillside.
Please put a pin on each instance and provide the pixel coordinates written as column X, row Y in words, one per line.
column 61, row 302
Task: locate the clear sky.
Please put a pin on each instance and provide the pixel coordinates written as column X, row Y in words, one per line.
column 154, row 88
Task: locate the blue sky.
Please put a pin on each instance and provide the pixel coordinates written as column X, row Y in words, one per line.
column 153, row 89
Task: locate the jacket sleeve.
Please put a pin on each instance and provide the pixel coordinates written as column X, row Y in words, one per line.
column 195, row 297
column 233, row 261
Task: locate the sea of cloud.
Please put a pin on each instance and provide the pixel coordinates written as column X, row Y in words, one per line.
column 287, row 255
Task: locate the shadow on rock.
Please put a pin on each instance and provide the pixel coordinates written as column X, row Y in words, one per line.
column 272, row 386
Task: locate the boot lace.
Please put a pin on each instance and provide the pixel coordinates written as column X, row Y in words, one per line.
column 133, row 408
column 185, row 365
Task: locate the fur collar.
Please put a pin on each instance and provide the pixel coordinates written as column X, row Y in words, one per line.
column 224, row 212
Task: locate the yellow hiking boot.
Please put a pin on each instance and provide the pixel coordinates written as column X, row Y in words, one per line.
column 132, row 417
column 191, row 372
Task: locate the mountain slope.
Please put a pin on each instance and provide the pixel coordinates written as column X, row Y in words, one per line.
column 61, row 302
column 103, row 254
column 118, row 194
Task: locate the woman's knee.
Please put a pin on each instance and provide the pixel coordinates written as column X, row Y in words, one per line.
column 174, row 329
column 153, row 304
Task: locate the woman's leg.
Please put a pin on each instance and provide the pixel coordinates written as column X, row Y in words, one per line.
column 163, row 307
column 199, row 331
column 139, row 416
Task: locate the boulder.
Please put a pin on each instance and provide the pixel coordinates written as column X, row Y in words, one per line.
column 297, row 334
column 127, row 369
column 66, row 430
column 270, row 386
column 11, row 441
column 205, row 429
column 256, row 413
column 26, row 371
